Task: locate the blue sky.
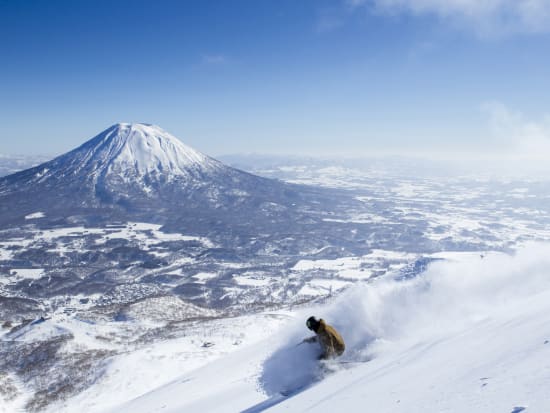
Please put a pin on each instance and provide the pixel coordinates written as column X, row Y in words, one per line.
column 349, row 77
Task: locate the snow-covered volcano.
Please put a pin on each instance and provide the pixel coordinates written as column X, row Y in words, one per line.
column 139, row 171
column 133, row 151
column 127, row 168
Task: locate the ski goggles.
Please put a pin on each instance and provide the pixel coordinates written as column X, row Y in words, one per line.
column 309, row 323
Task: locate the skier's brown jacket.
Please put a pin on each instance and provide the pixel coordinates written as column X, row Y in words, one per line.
column 332, row 343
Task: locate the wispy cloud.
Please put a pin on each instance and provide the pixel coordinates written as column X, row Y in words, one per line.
column 214, row 59
column 329, row 19
column 514, row 133
column 486, row 17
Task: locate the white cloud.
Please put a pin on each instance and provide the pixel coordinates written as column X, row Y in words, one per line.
column 216, row 59
column 513, row 132
column 486, row 17
column 328, row 21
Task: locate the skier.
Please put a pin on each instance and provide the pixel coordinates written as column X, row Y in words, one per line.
column 331, row 342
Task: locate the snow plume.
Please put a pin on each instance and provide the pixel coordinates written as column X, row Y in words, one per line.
column 376, row 318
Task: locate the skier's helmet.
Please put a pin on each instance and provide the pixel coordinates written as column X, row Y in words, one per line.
column 312, row 323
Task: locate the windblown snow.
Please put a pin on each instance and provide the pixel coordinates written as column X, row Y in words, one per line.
column 470, row 334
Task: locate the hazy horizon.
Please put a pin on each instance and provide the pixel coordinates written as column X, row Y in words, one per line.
column 459, row 79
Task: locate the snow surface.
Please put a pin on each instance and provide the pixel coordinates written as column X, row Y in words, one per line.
column 129, row 153
column 146, row 234
column 146, row 147
column 147, row 237
column 135, row 372
column 471, row 334
column 140, row 148
column 35, row 215
column 28, row 273
column 356, row 268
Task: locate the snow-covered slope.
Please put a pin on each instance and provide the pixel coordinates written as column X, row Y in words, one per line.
column 125, row 152
column 131, row 151
column 471, row 334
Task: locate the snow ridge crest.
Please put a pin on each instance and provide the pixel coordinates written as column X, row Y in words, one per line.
column 140, row 149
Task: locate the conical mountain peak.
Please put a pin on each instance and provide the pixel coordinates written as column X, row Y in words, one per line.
column 125, row 157
column 140, row 148
column 136, row 171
